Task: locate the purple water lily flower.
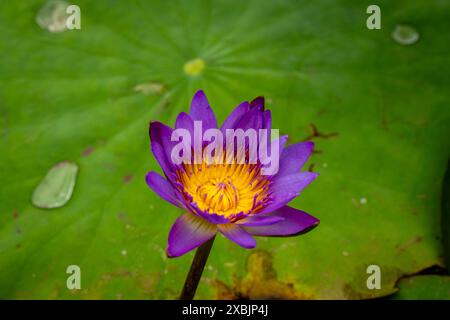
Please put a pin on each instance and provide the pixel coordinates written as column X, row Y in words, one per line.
column 233, row 199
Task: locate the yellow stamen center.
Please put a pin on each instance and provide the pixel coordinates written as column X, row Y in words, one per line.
column 225, row 189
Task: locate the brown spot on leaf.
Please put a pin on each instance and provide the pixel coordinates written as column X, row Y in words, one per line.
column 260, row 282
column 86, row 152
column 404, row 246
column 315, row 133
column 128, row 178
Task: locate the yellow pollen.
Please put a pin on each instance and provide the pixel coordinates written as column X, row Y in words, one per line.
column 194, row 67
column 225, row 189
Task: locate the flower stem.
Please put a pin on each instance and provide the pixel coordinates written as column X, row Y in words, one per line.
column 196, row 270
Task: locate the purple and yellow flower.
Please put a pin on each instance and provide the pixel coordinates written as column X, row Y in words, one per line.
column 234, row 199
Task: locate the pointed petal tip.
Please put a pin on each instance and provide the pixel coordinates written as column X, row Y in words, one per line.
column 315, row 223
column 258, row 103
column 201, row 110
column 258, row 99
column 199, row 95
column 315, row 174
column 310, row 144
column 152, row 123
column 199, row 91
column 170, row 254
column 154, row 127
column 312, row 226
column 310, row 175
column 251, row 246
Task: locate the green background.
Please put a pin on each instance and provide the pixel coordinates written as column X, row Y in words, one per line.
column 382, row 111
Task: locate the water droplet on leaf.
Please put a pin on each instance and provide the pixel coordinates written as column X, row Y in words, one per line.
column 55, row 190
column 52, row 16
column 405, row 35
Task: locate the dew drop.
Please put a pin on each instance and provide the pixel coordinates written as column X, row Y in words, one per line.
column 56, row 189
column 405, row 34
column 52, row 16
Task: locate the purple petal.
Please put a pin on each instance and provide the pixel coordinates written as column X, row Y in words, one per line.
column 201, row 111
column 238, row 235
column 210, row 217
column 286, row 188
column 163, row 188
column 184, row 121
column 294, row 157
column 267, row 120
column 282, row 143
column 240, row 117
column 161, row 145
column 257, row 103
column 258, row 220
column 234, row 117
column 294, row 222
column 252, row 119
column 187, row 233
column 266, row 149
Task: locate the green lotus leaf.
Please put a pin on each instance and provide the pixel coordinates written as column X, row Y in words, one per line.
column 377, row 110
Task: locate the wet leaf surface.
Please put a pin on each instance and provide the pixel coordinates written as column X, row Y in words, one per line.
column 377, row 111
